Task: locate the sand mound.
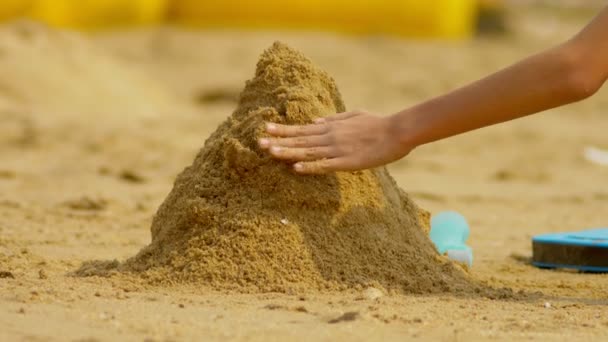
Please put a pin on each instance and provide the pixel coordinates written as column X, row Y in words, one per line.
column 237, row 219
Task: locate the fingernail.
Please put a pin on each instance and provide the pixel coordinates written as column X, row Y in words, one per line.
column 270, row 126
column 275, row 149
column 319, row 120
column 298, row 167
column 264, row 142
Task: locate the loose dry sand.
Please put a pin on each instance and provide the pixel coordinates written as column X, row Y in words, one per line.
column 81, row 177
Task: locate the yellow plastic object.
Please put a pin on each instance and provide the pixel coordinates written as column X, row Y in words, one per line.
column 91, row 14
column 417, row 18
column 13, row 8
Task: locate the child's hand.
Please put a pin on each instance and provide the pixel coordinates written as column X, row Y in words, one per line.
column 343, row 142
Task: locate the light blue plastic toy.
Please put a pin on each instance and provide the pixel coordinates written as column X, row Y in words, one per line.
column 449, row 233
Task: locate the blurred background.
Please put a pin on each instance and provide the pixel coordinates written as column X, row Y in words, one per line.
column 103, row 102
column 442, row 18
column 410, row 18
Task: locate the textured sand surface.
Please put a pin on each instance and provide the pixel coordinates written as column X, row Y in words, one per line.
column 82, row 171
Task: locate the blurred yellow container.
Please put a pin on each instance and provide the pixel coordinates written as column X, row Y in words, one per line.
column 13, row 8
column 91, row 14
column 416, row 18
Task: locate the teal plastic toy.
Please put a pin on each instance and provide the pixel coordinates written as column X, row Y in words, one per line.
column 449, row 233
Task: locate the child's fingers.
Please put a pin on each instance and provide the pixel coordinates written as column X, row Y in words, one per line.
column 301, row 154
column 336, row 117
column 295, row 131
column 305, row 141
column 319, row 166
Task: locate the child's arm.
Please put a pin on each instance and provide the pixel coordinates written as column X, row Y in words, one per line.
column 351, row 141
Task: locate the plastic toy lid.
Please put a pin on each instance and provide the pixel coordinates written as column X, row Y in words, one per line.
column 593, row 237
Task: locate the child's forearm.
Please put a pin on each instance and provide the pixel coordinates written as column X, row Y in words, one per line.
column 565, row 74
column 541, row 82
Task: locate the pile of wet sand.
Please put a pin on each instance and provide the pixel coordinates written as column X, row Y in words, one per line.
column 236, row 219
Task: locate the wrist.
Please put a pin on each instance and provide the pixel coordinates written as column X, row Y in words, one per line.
column 405, row 128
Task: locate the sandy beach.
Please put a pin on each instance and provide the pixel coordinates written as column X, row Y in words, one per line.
column 95, row 128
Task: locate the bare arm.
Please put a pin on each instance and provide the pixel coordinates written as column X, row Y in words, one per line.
column 354, row 140
column 570, row 72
